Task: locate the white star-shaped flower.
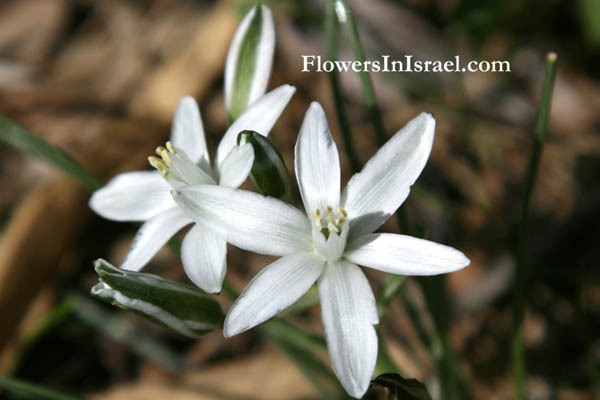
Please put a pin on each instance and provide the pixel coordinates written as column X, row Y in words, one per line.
column 327, row 243
column 144, row 195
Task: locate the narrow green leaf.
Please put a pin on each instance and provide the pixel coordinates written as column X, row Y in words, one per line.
column 179, row 307
column 18, row 389
column 269, row 174
column 346, row 19
column 331, row 36
column 589, row 11
column 249, row 60
column 522, row 270
column 395, row 387
column 20, row 138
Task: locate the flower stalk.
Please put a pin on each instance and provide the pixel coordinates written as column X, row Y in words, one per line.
column 522, row 269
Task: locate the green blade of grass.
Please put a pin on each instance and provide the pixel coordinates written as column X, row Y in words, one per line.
column 518, row 356
column 331, row 34
column 346, row 18
column 21, row 139
column 26, row 390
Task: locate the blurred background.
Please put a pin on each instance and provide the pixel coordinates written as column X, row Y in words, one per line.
column 101, row 79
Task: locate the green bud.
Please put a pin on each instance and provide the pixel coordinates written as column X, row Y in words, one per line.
column 179, row 307
column 269, row 174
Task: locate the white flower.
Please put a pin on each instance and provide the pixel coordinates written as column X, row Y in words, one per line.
column 327, row 245
column 144, row 195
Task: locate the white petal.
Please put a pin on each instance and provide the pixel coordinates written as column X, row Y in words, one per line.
column 247, row 220
column 235, row 168
column 349, row 313
column 153, row 235
column 182, row 170
column 375, row 193
column 187, row 132
column 132, row 196
column 203, row 256
column 262, row 57
column 317, row 162
column 259, row 117
column 272, row 290
column 404, row 255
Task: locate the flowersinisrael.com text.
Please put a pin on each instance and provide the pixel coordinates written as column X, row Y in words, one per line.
column 408, row 64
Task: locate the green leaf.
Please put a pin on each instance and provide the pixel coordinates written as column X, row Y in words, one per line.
column 249, row 60
column 589, row 11
column 179, row 307
column 20, row 138
column 18, row 389
column 395, row 387
column 269, row 174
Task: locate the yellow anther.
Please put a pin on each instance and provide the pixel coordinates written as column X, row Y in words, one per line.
column 164, row 154
column 158, row 164
column 328, row 217
column 328, row 209
column 170, row 148
column 316, row 213
column 341, row 211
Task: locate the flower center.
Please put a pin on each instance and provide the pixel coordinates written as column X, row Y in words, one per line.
column 330, row 230
column 328, row 221
column 177, row 168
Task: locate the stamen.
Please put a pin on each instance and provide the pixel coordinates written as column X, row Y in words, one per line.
column 164, row 154
column 333, row 228
column 170, row 148
column 327, row 221
column 158, row 164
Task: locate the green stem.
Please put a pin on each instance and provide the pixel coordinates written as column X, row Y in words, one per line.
column 346, row 18
column 331, row 33
column 518, row 356
column 452, row 383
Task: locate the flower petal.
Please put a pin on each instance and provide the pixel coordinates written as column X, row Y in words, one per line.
column 249, row 60
column 349, row 313
column 187, row 132
column 375, row 193
column 153, row 235
column 247, row 220
column 259, row 117
column 132, row 196
column 235, row 168
column 203, row 256
column 317, row 162
column 404, row 255
column 272, row 290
